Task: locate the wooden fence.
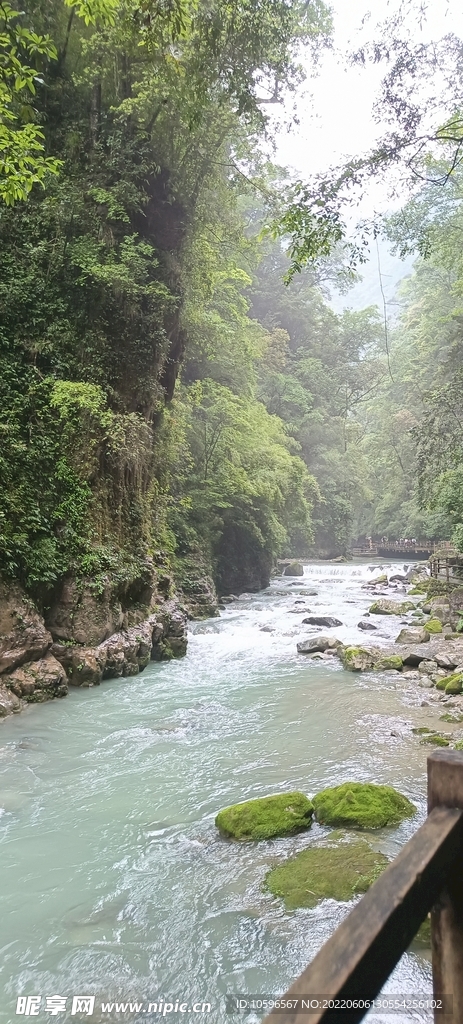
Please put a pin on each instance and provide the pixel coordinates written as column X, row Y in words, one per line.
column 352, row 967
column 448, row 569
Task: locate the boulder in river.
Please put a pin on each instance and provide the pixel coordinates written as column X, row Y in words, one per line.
column 266, row 817
column 384, row 606
column 318, row 643
column 397, row 578
column 365, row 659
column 293, row 569
column 322, row 620
column 378, row 581
column 412, row 635
column 452, row 684
column 366, row 625
column 325, row 872
column 362, row 805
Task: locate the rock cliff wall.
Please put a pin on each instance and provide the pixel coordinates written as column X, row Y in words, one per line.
column 83, row 638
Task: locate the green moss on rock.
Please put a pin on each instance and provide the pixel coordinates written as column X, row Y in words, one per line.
column 356, row 659
column 390, row 661
column 435, row 740
column 433, row 626
column 266, row 817
column 422, row 730
column 337, row 873
column 384, row 606
column 362, row 805
column 451, row 684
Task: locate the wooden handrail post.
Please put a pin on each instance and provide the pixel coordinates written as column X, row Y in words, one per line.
column 445, row 789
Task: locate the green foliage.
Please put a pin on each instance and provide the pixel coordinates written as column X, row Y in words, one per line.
column 362, row 805
column 266, row 817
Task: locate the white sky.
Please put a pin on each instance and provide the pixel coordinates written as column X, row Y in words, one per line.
column 336, row 119
column 335, row 108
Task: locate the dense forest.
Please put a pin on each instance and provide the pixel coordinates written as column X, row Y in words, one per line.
column 176, row 390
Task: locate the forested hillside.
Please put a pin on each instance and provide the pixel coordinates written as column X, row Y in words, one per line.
column 167, row 398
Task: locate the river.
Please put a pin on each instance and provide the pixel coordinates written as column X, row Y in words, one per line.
column 114, row 880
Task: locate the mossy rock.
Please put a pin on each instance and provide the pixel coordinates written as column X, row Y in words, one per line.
column 458, row 745
column 420, row 588
column 294, row 569
column 435, row 740
column 422, row 730
column 390, row 661
column 452, row 684
column 266, row 817
column 455, row 685
column 356, row 659
column 362, row 805
column 384, row 606
column 451, row 718
column 433, row 626
column 324, row 872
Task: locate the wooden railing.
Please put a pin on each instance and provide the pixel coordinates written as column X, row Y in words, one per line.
column 352, row 967
column 449, row 568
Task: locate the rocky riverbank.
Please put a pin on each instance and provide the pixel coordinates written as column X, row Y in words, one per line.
column 84, row 637
column 429, row 647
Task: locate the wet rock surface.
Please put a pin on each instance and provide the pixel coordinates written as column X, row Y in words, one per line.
column 39, row 680
column 36, row 669
column 322, row 620
column 23, row 635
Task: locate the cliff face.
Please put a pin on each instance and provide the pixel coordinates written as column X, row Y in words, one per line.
column 84, row 639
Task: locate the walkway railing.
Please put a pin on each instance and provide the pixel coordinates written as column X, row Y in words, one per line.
column 449, row 568
column 352, row 967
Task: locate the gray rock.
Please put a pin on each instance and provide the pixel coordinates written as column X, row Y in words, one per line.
column 366, row 625
column 84, row 666
column 318, row 643
column 322, row 620
column 428, row 667
column 384, row 606
column 23, row 636
column 9, row 702
column 39, row 680
column 412, row 635
column 293, row 569
column 445, row 661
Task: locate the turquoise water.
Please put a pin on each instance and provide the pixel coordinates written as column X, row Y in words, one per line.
column 114, row 881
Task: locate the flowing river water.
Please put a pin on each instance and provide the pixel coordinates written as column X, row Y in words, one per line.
column 114, row 880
